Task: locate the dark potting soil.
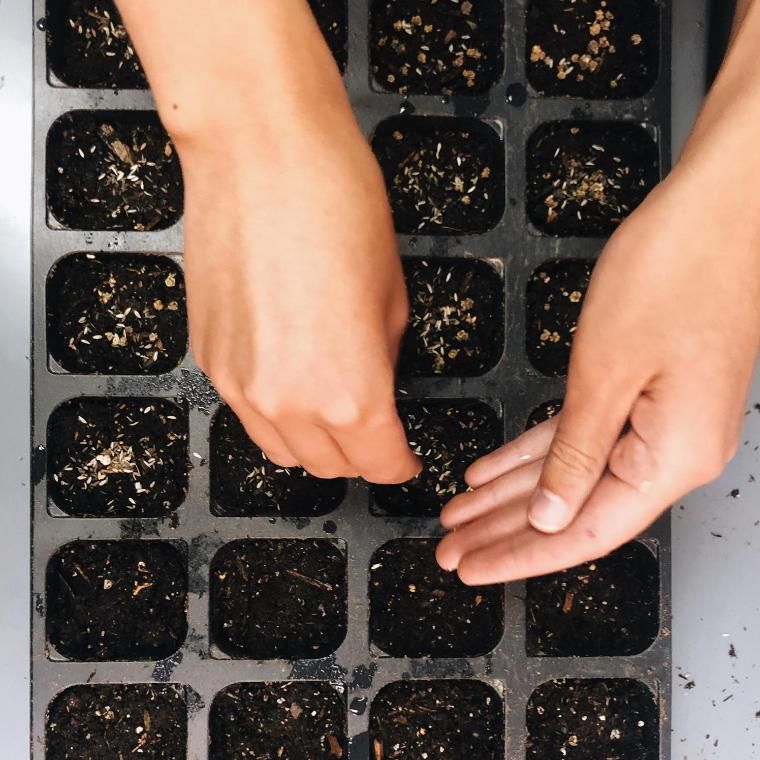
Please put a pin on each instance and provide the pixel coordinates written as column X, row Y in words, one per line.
column 244, row 483
column 332, row 17
column 117, row 457
column 120, row 314
column 606, row 608
column 584, row 177
column 454, row 719
column 555, row 295
column 593, row 48
column 614, row 719
column 427, row 47
column 278, row 721
column 274, row 599
column 456, row 321
column 444, row 176
column 544, row 412
column 117, row 600
column 115, row 721
column 447, row 435
column 112, row 170
column 419, row 610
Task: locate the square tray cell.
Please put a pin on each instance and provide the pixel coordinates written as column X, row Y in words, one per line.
column 116, row 600
column 593, row 49
column 585, row 177
column 244, row 483
column 426, row 47
column 119, row 314
column 117, row 457
column 275, row 599
column 544, row 412
column 444, row 176
column 287, row 721
column 332, row 17
column 456, row 324
column 555, row 295
column 138, row 720
column 606, row 608
column 615, row 719
column 437, row 719
column 112, row 170
column 448, row 435
column 419, row 610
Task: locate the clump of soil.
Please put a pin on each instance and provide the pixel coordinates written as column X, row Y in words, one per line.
column 332, row 17
column 117, row 457
column 444, row 176
column 116, row 600
column 419, row 610
column 112, row 170
column 121, row 314
column 544, row 412
column 427, row 47
column 287, row 721
column 244, row 483
column 456, row 321
column 275, row 599
column 135, row 720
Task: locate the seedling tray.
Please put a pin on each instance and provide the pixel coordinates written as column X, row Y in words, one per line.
column 190, row 600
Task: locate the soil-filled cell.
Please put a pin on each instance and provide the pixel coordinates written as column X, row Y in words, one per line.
column 332, row 17
column 419, row 610
column 112, row 170
column 118, row 457
column 544, row 412
column 274, row 599
column 117, row 600
column 444, row 176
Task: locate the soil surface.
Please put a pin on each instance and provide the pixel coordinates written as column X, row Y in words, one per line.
column 278, row 721
column 419, row 610
column 273, row 599
column 112, row 170
column 97, row 722
column 117, row 600
column 332, row 17
column 544, row 412
column 444, row 176
column 117, row 457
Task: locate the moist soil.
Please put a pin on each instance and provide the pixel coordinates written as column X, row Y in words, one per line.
column 426, row 47
column 544, row 412
column 606, row 49
column 121, row 314
column 96, row 722
column 614, row 719
column 419, row 610
column 456, row 321
column 584, row 178
column 112, row 170
column 437, row 719
column 117, row 600
column 448, row 436
column 444, row 176
column 332, row 17
column 606, row 608
column 278, row 721
column 274, row 599
column 244, row 483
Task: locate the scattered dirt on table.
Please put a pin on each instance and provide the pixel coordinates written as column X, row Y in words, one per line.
column 544, row 412
column 332, row 17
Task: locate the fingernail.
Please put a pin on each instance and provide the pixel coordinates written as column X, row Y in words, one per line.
column 548, row 512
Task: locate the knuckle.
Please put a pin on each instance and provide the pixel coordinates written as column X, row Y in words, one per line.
column 572, row 459
column 708, row 464
column 264, row 398
column 345, row 413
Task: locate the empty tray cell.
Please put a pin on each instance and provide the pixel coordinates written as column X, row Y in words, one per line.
column 116, row 600
column 585, row 177
column 605, row 49
column 437, row 719
column 119, row 314
column 332, row 17
column 456, row 319
column 275, row 599
column 444, row 176
column 291, row 721
column 419, row 610
column 555, row 295
column 112, row 170
column 244, row 483
column 117, row 457
column 427, row 47
column 588, row 720
column 544, row 412
column 110, row 721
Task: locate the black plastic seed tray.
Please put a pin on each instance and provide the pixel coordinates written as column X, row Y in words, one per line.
column 192, row 601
